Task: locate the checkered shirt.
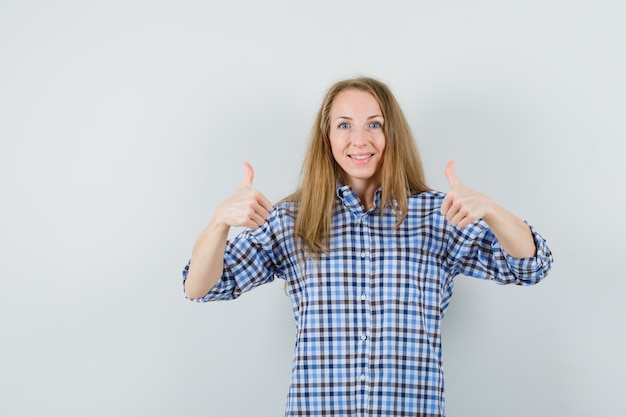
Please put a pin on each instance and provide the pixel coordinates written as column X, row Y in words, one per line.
column 368, row 313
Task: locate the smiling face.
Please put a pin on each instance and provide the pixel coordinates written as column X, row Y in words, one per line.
column 357, row 140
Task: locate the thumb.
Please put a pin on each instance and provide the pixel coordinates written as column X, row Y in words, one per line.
column 248, row 176
column 450, row 175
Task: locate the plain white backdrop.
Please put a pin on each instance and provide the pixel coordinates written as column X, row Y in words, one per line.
column 123, row 124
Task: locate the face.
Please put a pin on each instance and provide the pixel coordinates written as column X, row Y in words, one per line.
column 357, row 139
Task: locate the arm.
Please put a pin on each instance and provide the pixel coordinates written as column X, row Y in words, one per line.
column 246, row 207
column 462, row 206
column 513, row 234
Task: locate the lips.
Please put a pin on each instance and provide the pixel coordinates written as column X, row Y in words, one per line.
column 361, row 157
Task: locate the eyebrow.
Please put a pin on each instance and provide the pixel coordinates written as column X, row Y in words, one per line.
column 350, row 118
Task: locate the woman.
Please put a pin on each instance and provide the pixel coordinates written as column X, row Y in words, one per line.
column 369, row 254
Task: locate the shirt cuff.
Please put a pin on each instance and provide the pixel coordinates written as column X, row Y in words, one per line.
column 533, row 269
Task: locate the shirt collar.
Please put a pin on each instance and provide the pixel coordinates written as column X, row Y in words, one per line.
column 351, row 201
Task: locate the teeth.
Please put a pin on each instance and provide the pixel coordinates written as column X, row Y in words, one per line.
column 361, row 157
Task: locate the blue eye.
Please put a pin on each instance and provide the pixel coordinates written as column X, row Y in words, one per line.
column 344, row 125
column 375, row 125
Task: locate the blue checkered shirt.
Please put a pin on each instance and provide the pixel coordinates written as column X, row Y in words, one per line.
column 368, row 313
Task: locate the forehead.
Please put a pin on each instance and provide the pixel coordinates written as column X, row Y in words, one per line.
column 350, row 103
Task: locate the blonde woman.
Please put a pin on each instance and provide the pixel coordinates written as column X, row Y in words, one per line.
column 368, row 253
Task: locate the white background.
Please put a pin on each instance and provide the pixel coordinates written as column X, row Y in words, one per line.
column 123, row 124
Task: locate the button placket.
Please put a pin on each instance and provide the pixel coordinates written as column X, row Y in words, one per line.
column 362, row 252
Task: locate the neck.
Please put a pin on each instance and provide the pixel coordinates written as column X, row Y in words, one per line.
column 366, row 192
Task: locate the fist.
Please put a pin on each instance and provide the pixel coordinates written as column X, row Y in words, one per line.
column 247, row 207
column 462, row 205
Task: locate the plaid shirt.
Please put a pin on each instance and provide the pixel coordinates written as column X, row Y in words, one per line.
column 368, row 313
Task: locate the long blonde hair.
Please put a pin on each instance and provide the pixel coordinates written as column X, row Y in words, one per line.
column 401, row 166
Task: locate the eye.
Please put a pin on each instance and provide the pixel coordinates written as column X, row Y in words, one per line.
column 376, row 125
column 344, row 125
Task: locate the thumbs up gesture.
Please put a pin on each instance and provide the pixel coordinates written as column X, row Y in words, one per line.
column 462, row 205
column 246, row 207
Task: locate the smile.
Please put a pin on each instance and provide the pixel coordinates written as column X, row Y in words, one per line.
column 361, row 157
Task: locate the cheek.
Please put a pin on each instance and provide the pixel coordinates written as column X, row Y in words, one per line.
column 380, row 144
column 336, row 146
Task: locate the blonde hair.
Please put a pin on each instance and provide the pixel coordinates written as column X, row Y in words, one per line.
column 402, row 173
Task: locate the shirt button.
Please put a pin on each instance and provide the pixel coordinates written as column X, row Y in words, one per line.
column 362, row 378
column 362, row 254
column 363, row 297
column 363, row 337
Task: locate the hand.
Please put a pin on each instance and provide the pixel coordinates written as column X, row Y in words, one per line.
column 462, row 205
column 246, row 207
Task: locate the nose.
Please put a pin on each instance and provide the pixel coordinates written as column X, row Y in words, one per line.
column 360, row 136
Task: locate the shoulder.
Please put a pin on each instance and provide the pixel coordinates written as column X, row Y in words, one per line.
column 277, row 226
column 284, row 212
column 286, row 207
column 424, row 209
column 426, row 199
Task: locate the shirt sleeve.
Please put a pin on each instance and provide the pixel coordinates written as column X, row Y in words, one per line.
column 475, row 251
column 252, row 258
